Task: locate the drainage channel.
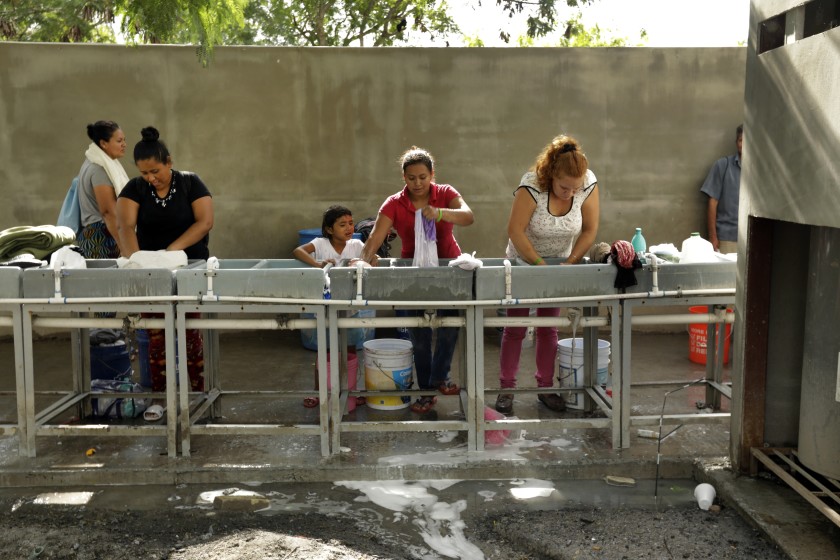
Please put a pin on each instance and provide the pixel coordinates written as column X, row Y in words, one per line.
column 469, row 519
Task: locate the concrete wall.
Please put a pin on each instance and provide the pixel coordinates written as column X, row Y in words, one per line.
column 278, row 134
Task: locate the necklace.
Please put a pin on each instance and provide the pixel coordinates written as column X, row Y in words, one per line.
column 163, row 201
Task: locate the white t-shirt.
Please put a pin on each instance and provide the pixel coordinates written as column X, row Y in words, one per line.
column 325, row 251
column 553, row 236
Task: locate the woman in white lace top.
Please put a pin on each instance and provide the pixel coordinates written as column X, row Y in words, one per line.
column 555, row 214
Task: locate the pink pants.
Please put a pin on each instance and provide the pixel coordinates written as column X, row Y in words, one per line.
column 546, row 349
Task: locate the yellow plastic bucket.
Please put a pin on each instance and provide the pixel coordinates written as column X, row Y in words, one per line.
column 389, row 366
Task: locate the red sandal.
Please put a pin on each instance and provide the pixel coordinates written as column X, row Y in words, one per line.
column 423, row 404
column 449, row 388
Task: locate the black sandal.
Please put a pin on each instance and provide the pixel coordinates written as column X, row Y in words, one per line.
column 553, row 401
column 504, row 403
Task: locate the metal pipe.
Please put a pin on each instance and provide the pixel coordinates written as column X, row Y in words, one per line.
column 57, row 278
column 91, row 300
column 536, row 301
column 255, row 324
column 210, row 273
column 682, row 319
column 280, row 324
column 654, row 270
column 544, row 322
column 372, row 303
column 277, row 300
column 432, row 321
column 326, row 269
column 508, row 281
column 614, row 297
column 359, row 266
column 97, row 322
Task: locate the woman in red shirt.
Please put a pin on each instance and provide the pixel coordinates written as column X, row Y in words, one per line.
column 445, row 206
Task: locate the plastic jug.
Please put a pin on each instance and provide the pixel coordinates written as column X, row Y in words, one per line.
column 695, row 249
column 638, row 242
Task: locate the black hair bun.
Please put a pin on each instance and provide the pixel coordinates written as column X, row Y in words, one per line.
column 150, row 134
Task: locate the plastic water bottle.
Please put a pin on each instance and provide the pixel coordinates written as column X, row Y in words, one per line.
column 695, row 249
column 638, row 241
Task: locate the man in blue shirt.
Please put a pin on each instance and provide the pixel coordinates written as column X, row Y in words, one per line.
column 722, row 187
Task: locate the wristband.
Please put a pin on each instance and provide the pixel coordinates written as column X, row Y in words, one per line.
column 440, row 214
column 538, row 260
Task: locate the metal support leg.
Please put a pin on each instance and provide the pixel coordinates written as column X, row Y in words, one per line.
column 20, row 383
column 28, row 441
column 715, row 345
column 621, row 390
column 212, row 368
column 330, row 405
column 620, row 412
column 173, row 378
column 469, row 379
column 590, row 357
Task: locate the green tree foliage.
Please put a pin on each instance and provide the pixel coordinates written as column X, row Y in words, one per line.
column 541, row 15
column 343, row 22
column 201, row 22
column 577, row 35
column 57, row 20
column 271, row 22
column 205, row 22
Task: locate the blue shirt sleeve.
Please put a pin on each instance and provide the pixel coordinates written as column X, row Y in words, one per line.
column 713, row 185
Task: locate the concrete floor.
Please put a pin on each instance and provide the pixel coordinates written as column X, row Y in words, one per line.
column 268, row 360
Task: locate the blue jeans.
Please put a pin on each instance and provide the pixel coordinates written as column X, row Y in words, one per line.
column 432, row 367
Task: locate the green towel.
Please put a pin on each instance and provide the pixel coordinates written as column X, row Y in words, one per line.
column 39, row 241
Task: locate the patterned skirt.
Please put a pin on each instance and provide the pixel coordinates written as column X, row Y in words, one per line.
column 157, row 356
column 96, row 242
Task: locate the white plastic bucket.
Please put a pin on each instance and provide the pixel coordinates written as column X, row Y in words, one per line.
column 389, row 366
column 572, row 371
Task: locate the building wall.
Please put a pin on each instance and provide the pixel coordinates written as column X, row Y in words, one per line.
column 790, row 190
column 278, row 134
column 792, row 169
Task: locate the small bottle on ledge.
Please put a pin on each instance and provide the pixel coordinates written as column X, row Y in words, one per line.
column 638, row 242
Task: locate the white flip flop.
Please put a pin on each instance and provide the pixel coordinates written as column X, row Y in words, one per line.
column 153, row 413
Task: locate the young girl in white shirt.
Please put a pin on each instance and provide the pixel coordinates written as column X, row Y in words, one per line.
column 337, row 246
column 337, row 243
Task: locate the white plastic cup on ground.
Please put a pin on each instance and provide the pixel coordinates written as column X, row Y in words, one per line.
column 705, row 495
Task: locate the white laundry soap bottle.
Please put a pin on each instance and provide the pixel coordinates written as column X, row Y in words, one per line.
column 695, row 249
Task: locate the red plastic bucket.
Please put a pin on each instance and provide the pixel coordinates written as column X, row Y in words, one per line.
column 697, row 337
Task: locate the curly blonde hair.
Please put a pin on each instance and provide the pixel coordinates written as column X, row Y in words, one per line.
column 562, row 156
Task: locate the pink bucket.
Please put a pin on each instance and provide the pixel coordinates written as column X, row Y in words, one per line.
column 352, row 373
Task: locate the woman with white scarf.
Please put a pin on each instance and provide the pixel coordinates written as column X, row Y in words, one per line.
column 101, row 179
